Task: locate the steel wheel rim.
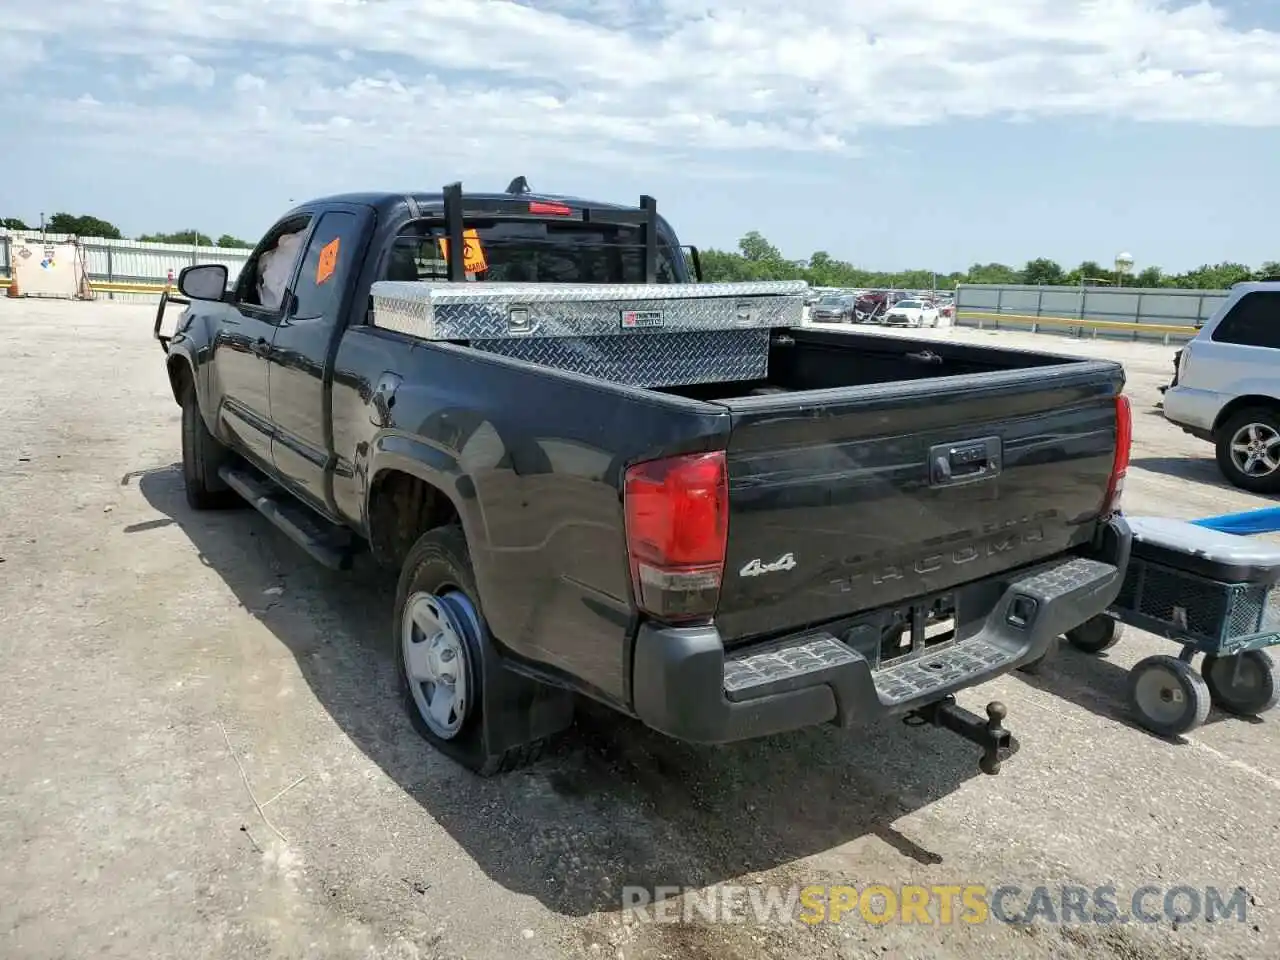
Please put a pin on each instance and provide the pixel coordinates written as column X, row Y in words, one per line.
column 1254, row 450
column 1161, row 695
column 436, row 662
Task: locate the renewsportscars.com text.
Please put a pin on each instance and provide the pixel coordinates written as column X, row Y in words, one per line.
column 938, row 904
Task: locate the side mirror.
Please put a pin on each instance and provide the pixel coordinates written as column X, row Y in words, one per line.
column 207, row 281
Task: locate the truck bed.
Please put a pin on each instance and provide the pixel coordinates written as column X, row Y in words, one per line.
column 802, row 359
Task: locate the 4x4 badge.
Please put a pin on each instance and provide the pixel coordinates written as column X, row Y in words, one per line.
column 755, row 568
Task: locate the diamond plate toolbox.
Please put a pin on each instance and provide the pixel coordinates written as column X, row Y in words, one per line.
column 663, row 360
column 493, row 311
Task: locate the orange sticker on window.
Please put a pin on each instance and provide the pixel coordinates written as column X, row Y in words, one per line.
column 473, row 260
column 328, row 261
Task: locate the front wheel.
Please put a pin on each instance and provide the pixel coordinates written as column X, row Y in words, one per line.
column 1168, row 696
column 202, row 457
column 1248, row 450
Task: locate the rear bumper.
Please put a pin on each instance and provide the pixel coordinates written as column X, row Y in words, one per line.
column 686, row 687
column 1195, row 411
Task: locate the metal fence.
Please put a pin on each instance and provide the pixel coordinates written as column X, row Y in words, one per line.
column 1123, row 313
column 130, row 261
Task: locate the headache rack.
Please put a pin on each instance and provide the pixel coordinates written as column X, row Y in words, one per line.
column 646, row 334
column 458, row 208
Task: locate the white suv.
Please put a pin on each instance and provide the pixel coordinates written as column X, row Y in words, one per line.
column 1227, row 386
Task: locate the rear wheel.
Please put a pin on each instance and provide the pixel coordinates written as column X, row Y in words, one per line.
column 1096, row 634
column 458, row 698
column 1244, row 685
column 1248, row 450
column 1037, row 666
column 202, row 456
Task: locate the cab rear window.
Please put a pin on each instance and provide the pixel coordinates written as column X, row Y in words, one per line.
column 532, row 252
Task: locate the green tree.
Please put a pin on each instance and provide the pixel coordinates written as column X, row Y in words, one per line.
column 1150, row 277
column 1218, row 276
column 1042, row 271
column 82, row 226
column 992, row 273
column 758, row 259
column 227, row 240
column 757, row 249
column 1089, row 273
column 13, row 223
column 187, row 238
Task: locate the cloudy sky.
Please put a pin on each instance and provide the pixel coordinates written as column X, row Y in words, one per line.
column 895, row 133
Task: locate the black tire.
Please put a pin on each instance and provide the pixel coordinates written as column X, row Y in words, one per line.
column 439, row 565
column 1267, row 421
column 1036, row 667
column 202, row 456
column 1246, row 692
column 1168, row 697
column 1096, row 634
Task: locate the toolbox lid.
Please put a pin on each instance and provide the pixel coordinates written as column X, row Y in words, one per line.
column 1224, row 557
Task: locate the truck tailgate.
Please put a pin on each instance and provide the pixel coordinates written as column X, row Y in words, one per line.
column 853, row 498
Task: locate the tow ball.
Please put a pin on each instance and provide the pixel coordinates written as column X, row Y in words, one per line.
column 996, row 742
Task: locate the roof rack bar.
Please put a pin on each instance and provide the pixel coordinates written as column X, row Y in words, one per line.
column 456, row 259
column 649, row 207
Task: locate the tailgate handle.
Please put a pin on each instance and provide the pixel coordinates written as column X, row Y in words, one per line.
column 964, row 462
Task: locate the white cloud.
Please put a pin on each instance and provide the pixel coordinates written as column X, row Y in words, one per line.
column 19, row 55
column 631, row 81
column 178, row 70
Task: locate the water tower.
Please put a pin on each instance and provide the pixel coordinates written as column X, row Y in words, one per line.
column 1124, row 265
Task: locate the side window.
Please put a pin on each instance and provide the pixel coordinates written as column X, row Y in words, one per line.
column 263, row 278
column 325, row 266
column 1253, row 322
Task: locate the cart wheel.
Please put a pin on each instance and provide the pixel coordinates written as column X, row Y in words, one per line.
column 1244, row 685
column 1096, row 634
column 1036, row 667
column 1169, row 696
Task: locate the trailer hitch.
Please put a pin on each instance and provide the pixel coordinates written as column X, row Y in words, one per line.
column 996, row 742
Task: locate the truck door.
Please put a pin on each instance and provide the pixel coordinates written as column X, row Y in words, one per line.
column 300, row 354
column 242, row 344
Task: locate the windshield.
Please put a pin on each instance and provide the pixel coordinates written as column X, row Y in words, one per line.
column 908, row 304
column 532, row 251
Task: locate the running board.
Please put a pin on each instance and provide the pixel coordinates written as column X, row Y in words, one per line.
column 328, row 544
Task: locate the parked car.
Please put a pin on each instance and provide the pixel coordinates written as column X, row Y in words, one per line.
column 911, row 313
column 1226, row 388
column 834, row 309
column 598, row 478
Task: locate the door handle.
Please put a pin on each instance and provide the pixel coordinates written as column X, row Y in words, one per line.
column 261, row 347
column 383, row 399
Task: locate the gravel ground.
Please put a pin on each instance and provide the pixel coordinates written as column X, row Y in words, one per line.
column 164, row 669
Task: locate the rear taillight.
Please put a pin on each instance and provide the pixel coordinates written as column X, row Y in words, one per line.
column 1120, row 466
column 550, row 209
column 677, row 523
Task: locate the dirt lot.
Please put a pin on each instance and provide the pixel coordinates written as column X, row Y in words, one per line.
column 161, row 664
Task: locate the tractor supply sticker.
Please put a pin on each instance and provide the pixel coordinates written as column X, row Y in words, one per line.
column 640, row 319
column 473, row 260
column 328, row 261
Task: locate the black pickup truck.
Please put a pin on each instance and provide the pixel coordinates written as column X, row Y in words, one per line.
column 859, row 525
